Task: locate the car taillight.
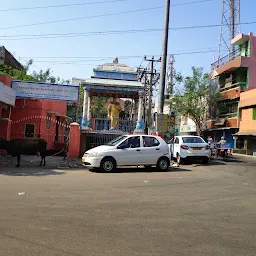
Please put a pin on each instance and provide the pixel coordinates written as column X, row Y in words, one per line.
column 184, row 147
column 207, row 147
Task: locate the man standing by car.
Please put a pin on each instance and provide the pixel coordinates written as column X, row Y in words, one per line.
column 212, row 145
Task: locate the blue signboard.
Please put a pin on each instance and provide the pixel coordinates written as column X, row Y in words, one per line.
column 46, row 91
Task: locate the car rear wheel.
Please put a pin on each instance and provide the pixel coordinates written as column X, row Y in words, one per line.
column 205, row 160
column 163, row 164
column 107, row 165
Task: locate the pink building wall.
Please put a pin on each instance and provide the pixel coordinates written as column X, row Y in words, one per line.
column 250, row 62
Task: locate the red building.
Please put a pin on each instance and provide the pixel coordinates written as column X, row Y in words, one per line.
column 7, row 101
column 30, row 118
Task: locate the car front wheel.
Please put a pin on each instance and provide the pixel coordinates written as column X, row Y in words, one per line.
column 163, row 164
column 107, row 165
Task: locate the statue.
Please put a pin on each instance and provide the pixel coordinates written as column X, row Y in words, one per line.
column 114, row 109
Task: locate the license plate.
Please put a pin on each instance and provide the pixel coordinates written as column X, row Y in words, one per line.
column 83, row 159
column 196, row 148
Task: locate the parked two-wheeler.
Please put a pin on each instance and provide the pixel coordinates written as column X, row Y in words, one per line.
column 224, row 152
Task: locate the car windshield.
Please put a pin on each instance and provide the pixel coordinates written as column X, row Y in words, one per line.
column 192, row 140
column 115, row 141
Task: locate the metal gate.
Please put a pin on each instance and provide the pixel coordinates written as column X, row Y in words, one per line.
column 92, row 140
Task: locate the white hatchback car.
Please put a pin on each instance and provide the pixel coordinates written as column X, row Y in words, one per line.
column 190, row 147
column 129, row 150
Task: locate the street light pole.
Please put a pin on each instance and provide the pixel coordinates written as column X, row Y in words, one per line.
column 160, row 108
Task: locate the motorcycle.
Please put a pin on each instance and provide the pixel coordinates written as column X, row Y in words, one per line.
column 224, row 152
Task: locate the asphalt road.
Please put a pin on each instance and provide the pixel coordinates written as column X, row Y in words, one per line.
column 191, row 210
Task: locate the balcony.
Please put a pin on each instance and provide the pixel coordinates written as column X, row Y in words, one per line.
column 229, row 120
column 223, row 60
column 230, row 62
column 229, row 115
column 231, row 85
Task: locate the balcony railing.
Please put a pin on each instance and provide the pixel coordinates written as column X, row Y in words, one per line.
column 103, row 124
column 233, row 85
column 229, row 115
column 227, row 58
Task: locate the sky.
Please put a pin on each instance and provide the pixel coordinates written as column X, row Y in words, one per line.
column 76, row 56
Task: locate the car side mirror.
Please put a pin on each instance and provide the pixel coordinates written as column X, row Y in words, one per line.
column 121, row 147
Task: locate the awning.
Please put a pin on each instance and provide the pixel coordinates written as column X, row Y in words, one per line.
column 246, row 133
column 59, row 115
column 222, row 128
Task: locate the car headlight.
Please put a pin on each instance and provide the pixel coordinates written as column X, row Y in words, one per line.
column 94, row 154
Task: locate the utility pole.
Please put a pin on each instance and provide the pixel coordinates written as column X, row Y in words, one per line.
column 160, row 108
column 170, row 77
column 150, row 91
column 148, row 85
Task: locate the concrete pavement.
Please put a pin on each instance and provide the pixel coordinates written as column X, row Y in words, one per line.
column 191, row 210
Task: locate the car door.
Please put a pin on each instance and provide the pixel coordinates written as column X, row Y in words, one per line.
column 150, row 151
column 176, row 147
column 131, row 153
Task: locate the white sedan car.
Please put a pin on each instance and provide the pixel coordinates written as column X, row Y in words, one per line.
column 190, row 147
column 129, row 150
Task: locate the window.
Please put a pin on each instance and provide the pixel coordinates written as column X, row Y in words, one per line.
column 132, row 142
column 176, row 141
column 48, row 121
column 240, row 143
column 29, row 130
column 192, row 140
column 150, row 142
column 115, row 141
column 254, row 114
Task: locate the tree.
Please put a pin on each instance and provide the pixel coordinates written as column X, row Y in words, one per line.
column 199, row 94
column 16, row 74
column 98, row 106
column 128, row 108
column 46, row 77
column 41, row 76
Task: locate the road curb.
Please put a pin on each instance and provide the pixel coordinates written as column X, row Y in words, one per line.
column 241, row 155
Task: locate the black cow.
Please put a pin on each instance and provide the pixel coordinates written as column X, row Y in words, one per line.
column 17, row 147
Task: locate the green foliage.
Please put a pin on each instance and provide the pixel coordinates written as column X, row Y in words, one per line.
column 98, row 107
column 128, row 108
column 198, row 98
column 46, row 77
column 16, row 74
column 41, row 76
column 75, row 111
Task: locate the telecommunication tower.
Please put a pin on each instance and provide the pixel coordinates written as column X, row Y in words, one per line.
column 230, row 26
